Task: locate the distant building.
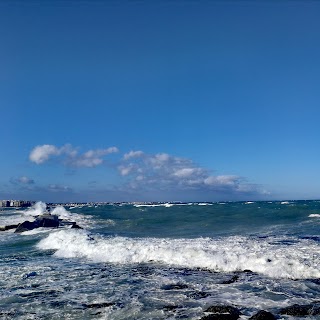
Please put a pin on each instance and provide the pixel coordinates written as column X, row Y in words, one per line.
column 15, row 203
column 4, row 203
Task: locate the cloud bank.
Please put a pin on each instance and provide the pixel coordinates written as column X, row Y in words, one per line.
column 70, row 155
column 153, row 175
column 165, row 172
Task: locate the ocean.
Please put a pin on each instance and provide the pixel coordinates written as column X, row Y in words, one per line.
column 161, row 261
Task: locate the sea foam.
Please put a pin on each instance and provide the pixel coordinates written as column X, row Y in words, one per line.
column 268, row 256
column 37, row 209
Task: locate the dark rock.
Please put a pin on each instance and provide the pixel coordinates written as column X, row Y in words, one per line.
column 30, row 274
column 47, row 221
column 177, row 286
column 301, row 310
column 75, row 226
column 44, row 221
column 8, row 227
column 222, row 313
column 98, row 305
column 170, row 308
column 232, row 280
column 25, row 226
column 263, row 315
column 316, row 281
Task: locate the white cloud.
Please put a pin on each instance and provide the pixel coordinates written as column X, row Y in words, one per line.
column 41, row 154
column 165, row 172
column 133, row 154
column 91, row 158
column 187, row 172
column 70, row 155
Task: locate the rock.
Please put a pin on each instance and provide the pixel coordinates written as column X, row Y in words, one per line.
column 43, row 221
column 170, row 308
column 301, row 310
column 316, row 281
column 30, row 274
column 25, row 226
column 47, row 221
column 222, row 313
column 232, row 280
column 177, row 286
column 75, row 226
column 263, row 315
column 98, row 305
column 8, row 227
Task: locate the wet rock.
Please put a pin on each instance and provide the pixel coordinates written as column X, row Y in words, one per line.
column 174, row 286
column 170, row 308
column 25, row 226
column 45, row 221
column 75, row 226
column 316, row 281
column 30, row 274
column 263, row 315
column 232, row 280
column 222, row 313
column 8, row 227
column 98, row 305
column 301, row 310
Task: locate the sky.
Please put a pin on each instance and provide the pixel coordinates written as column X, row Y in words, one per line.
column 159, row 100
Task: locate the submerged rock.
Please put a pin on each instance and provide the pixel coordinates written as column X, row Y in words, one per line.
column 222, row 313
column 98, row 305
column 263, row 315
column 301, row 310
column 198, row 295
column 232, row 280
column 176, row 286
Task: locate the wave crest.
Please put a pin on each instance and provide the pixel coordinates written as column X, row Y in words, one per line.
column 273, row 259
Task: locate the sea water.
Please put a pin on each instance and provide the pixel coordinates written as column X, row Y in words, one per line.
column 161, row 261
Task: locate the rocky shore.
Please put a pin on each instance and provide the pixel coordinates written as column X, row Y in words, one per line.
column 46, row 220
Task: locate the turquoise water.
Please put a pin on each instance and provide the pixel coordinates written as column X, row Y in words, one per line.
column 164, row 261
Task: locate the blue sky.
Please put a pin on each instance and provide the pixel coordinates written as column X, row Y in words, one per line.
column 162, row 100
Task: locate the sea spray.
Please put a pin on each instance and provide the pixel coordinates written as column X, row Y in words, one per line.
column 37, row 209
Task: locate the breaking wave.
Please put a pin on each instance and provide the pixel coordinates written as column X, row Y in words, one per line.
column 37, row 209
column 270, row 256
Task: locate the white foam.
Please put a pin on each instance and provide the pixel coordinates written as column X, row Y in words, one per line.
column 167, row 205
column 249, row 202
column 314, row 215
column 62, row 213
column 37, row 209
column 284, row 202
column 299, row 260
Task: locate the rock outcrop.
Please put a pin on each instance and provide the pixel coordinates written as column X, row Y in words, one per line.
column 222, row 312
column 43, row 221
column 297, row 310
